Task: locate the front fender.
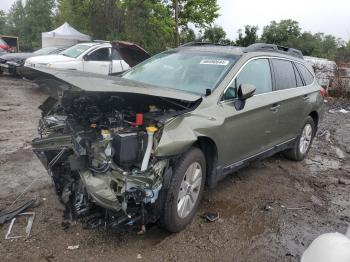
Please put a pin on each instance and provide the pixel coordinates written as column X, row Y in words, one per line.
column 182, row 132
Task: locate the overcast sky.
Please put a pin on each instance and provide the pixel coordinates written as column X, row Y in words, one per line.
column 330, row 17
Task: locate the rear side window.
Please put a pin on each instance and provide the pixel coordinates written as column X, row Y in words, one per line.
column 298, row 77
column 284, row 74
column 308, row 77
column 115, row 55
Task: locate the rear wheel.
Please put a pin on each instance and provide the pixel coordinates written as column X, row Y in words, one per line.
column 185, row 191
column 303, row 142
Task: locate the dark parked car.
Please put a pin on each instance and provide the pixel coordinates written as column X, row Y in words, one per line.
column 139, row 148
column 2, row 51
column 11, row 61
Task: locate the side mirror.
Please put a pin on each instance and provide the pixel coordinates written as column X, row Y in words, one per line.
column 244, row 92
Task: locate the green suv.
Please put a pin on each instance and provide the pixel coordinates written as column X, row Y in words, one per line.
column 140, row 148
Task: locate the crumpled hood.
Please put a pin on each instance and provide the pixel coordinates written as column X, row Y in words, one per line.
column 45, row 59
column 57, row 81
column 16, row 56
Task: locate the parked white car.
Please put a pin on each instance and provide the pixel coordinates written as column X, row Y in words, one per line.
column 94, row 57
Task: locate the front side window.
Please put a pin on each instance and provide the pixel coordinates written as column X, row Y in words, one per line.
column 256, row 73
column 101, row 54
column 190, row 71
column 284, row 74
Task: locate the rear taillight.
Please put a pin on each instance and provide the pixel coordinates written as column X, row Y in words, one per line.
column 323, row 92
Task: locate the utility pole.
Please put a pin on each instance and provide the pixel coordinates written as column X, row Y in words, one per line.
column 176, row 8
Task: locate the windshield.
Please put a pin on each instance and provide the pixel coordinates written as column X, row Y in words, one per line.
column 191, row 71
column 75, row 51
column 45, row 50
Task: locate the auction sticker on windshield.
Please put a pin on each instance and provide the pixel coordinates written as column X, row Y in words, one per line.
column 214, row 62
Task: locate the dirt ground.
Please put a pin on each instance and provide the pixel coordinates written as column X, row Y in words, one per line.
column 270, row 211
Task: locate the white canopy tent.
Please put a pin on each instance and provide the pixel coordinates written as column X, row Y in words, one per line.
column 64, row 35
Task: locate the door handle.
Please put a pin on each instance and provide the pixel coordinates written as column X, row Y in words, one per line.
column 306, row 97
column 275, row 107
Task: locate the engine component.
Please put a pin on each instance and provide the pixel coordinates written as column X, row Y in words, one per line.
column 150, row 131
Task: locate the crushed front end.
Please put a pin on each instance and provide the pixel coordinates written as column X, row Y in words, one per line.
column 98, row 148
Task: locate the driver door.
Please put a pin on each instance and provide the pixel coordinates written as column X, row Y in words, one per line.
column 249, row 131
column 98, row 61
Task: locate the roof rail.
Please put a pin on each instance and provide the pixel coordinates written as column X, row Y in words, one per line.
column 274, row 48
column 198, row 43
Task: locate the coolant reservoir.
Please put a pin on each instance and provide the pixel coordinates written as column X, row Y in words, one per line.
column 106, row 134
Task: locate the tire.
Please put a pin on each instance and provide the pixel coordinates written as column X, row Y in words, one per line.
column 178, row 196
column 299, row 152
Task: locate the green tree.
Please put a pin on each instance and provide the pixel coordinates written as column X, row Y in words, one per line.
column 3, row 23
column 201, row 13
column 187, row 35
column 148, row 23
column 282, row 33
column 250, row 36
column 214, row 34
column 77, row 13
column 29, row 21
column 39, row 18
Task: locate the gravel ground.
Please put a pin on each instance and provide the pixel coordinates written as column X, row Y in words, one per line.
column 269, row 211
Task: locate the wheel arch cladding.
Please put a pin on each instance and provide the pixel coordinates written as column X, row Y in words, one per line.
column 315, row 117
column 209, row 149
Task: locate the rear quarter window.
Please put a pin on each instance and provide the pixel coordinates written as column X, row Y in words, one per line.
column 308, row 77
column 284, row 74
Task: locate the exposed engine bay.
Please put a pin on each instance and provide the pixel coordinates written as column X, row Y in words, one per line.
column 97, row 147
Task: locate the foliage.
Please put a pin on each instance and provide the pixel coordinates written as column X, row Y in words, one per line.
column 187, row 35
column 201, row 13
column 281, row 33
column 214, row 34
column 152, row 24
column 250, row 36
column 29, row 21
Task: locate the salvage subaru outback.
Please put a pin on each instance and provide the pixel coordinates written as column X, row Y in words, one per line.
column 140, row 148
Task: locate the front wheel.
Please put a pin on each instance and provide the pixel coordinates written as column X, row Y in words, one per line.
column 185, row 191
column 303, row 142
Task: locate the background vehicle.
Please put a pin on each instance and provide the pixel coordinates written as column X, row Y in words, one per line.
column 12, row 61
column 99, row 58
column 2, row 51
column 4, row 45
column 140, row 148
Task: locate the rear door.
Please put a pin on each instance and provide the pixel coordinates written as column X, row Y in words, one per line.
column 98, row 61
column 294, row 99
column 251, row 130
column 117, row 65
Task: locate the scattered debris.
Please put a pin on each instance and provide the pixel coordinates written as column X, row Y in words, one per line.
column 267, row 208
column 73, row 247
column 340, row 154
column 28, row 227
column 342, row 181
column 211, row 216
column 7, row 216
column 343, row 111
